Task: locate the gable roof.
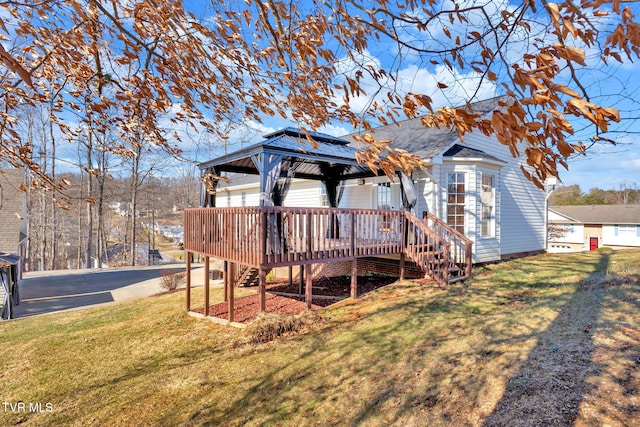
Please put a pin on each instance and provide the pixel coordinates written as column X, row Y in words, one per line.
column 458, row 151
column 600, row 214
column 11, row 209
column 413, row 136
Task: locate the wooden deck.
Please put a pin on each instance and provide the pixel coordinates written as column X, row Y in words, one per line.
column 262, row 238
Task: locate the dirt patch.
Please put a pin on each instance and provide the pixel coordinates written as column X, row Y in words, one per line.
column 338, row 287
column 284, row 298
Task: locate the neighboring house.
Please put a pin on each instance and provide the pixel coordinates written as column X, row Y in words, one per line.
column 476, row 186
column 13, row 212
column 589, row 227
column 13, row 237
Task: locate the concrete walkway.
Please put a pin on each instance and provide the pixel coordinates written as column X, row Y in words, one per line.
column 45, row 292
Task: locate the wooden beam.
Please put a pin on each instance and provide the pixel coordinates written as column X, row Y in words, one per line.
column 354, row 278
column 402, row 266
column 290, row 275
column 262, row 289
column 227, row 279
column 231, row 267
column 308, row 291
column 188, row 281
column 206, row 285
column 301, row 280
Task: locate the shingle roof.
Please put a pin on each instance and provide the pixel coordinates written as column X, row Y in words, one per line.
column 413, row 136
column 292, row 143
column 600, row 214
column 11, row 209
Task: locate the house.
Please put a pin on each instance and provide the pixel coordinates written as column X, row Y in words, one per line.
column 13, row 237
column 476, row 186
column 589, row 227
column 291, row 201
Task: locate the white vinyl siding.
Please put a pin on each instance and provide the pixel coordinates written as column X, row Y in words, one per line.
column 571, row 233
column 522, row 205
column 621, row 235
column 357, row 195
column 304, row 193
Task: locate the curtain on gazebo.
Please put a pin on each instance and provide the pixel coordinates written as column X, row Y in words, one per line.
column 332, row 181
column 409, row 193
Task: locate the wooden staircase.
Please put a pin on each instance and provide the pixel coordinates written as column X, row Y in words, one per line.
column 444, row 253
column 249, row 276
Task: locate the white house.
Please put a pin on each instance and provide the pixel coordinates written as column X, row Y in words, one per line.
column 589, row 227
column 476, row 186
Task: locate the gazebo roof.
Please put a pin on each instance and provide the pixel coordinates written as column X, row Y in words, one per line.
column 292, row 143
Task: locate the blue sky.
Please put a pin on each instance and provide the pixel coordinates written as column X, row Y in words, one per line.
column 605, row 166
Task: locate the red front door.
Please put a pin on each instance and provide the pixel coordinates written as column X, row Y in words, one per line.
column 593, row 243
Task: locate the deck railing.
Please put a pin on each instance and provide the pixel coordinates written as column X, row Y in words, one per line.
column 274, row 236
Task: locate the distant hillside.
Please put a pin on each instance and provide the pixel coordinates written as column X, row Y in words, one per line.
column 626, row 194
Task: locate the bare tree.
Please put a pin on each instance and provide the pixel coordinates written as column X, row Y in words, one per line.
column 313, row 64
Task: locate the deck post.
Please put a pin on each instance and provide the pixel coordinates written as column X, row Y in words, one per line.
column 354, row 278
column 206, row 285
column 301, row 280
column 229, row 290
column 402, row 266
column 227, row 279
column 290, row 275
column 308, row 291
column 262, row 289
column 187, row 283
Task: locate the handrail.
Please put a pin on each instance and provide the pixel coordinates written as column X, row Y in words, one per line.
column 427, row 249
column 273, row 236
column 461, row 245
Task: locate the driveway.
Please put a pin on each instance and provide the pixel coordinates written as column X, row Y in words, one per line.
column 52, row 291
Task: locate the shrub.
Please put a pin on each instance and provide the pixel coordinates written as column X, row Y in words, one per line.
column 269, row 326
column 171, row 279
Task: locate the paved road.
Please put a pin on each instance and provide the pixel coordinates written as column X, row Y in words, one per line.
column 52, row 291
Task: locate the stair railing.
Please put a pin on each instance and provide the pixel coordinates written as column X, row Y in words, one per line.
column 460, row 256
column 427, row 248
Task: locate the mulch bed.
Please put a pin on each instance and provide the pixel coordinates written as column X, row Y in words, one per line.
column 326, row 291
column 339, row 287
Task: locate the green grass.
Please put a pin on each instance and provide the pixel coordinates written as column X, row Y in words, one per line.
column 409, row 354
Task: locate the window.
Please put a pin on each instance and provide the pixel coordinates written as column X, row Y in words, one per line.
column 324, row 200
column 243, row 199
column 384, row 195
column 625, row 230
column 384, row 203
column 488, row 201
column 455, row 200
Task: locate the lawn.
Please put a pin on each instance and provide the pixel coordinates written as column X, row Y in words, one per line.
column 546, row 340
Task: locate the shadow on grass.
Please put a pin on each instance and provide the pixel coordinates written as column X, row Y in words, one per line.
column 552, row 381
column 433, row 360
